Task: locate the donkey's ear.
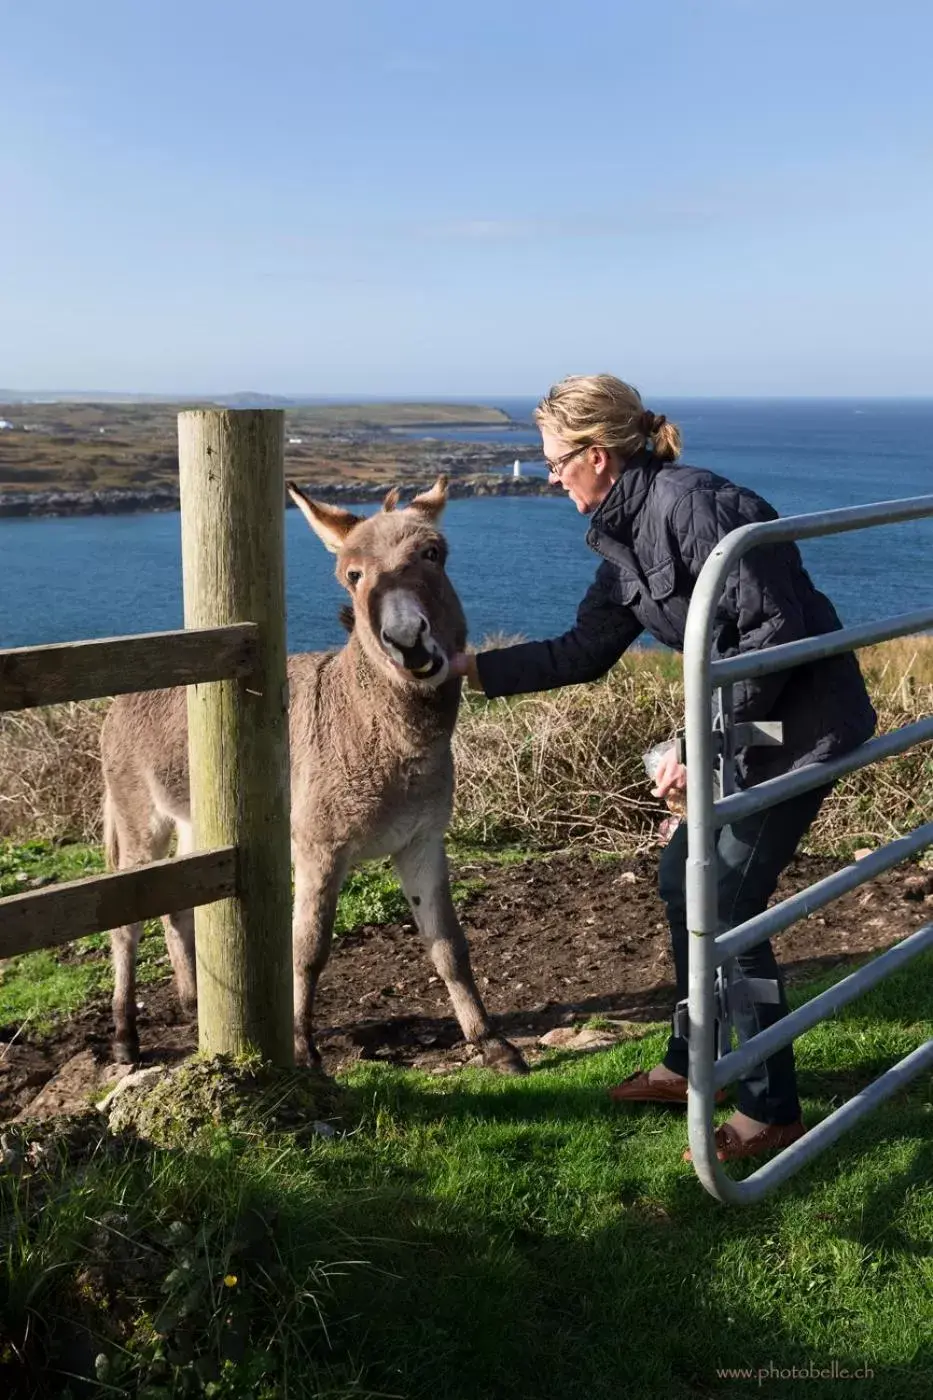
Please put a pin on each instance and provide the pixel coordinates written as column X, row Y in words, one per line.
column 392, row 499
column 432, row 502
column 331, row 524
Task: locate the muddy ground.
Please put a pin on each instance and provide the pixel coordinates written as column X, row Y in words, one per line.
column 553, row 942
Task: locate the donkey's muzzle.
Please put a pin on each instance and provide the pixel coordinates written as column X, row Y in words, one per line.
column 417, row 659
column 405, row 633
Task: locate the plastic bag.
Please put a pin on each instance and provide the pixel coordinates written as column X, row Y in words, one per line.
column 676, row 800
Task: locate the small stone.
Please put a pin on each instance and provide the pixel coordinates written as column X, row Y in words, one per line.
column 560, row 1035
column 628, row 877
column 592, row 1038
column 77, row 1080
column 128, row 1079
column 862, row 853
column 324, row 1130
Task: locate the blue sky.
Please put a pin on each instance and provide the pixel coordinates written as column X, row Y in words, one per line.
column 403, row 198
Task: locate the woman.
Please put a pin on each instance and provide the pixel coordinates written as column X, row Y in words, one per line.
column 653, row 524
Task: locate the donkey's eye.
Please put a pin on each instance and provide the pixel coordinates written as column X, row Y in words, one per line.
column 354, row 576
column 432, row 554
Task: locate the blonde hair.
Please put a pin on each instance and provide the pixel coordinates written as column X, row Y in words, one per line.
column 598, row 408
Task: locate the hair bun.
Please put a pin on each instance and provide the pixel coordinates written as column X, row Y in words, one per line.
column 652, row 423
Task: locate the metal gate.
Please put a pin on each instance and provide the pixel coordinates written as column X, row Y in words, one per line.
column 710, row 746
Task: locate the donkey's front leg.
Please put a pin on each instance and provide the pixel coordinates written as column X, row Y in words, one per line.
column 318, row 877
column 422, row 869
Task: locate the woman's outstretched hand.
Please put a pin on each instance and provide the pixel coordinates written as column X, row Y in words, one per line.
column 463, row 663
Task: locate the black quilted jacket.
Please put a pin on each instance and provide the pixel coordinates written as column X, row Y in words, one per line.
column 654, row 531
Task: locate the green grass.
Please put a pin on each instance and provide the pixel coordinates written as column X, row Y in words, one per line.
column 373, row 895
column 29, row 861
column 476, row 1238
column 41, row 987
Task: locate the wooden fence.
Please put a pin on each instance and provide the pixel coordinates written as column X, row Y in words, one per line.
column 231, row 656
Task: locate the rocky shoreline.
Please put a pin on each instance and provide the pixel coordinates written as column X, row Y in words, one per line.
column 120, row 501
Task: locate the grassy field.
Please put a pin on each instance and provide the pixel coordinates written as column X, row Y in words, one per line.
column 466, row 1237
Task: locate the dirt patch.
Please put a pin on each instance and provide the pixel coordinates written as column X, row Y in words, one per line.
column 552, row 942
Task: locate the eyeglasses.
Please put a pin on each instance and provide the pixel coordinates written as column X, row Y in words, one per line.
column 555, row 468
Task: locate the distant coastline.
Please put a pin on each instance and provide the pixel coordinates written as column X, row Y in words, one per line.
column 84, row 458
column 32, row 505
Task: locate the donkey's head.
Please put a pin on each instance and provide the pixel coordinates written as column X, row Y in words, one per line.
column 406, row 613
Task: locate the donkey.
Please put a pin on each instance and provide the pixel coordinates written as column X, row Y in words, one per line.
column 371, row 768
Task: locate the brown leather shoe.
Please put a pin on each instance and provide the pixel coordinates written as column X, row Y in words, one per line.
column 638, row 1088
column 772, row 1138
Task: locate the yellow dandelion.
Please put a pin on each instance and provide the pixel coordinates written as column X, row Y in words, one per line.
column 230, row 1280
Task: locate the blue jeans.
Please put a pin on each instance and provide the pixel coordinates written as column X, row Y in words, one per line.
column 750, row 857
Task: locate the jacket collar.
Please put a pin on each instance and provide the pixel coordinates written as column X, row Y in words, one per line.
column 615, row 515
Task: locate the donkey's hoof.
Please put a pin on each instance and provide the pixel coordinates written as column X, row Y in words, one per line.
column 126, row 1052
column 499, row 1054
column 307, row 1055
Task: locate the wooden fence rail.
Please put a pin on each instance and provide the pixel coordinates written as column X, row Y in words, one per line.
column 59, row 913
column 31, row 676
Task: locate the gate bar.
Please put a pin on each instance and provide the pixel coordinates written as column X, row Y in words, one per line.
column 732, row 1066
column 787, row 654
column 756, row 799
column 829, row 1129
column 780, row 916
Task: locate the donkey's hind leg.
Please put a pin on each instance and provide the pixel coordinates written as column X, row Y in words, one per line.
column 123, row 944
column 423, row 871
column 179, row 936
column 140, row 838
column 319, row 875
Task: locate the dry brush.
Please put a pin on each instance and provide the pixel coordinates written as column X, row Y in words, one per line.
column 553, row 769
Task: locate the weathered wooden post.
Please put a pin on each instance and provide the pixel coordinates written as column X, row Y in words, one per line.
column 233, row 532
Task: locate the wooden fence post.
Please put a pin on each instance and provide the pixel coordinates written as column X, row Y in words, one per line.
column 231, row 466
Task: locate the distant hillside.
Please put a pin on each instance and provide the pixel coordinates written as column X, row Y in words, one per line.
column 376, row 414
column 87, row 447
column 405, row 415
